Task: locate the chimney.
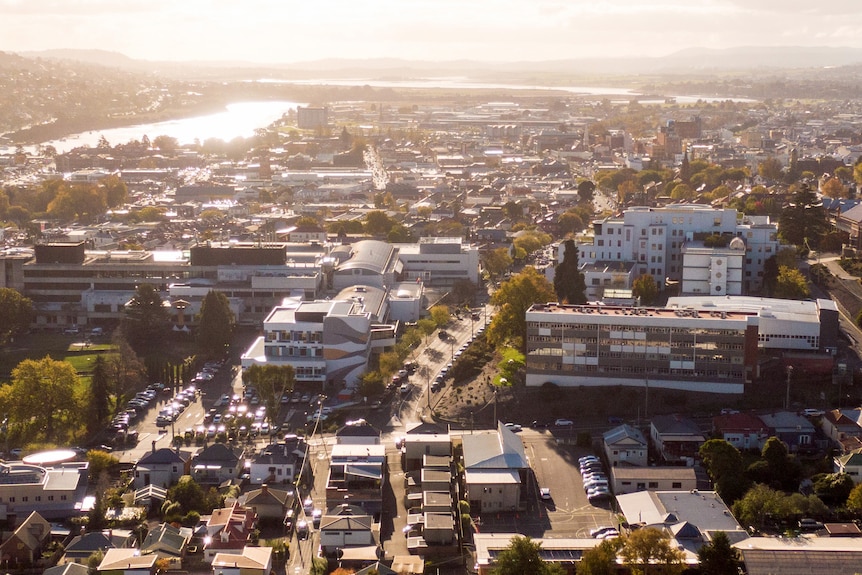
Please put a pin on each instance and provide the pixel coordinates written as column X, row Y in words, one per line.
column 264, row 489
column 154, row 446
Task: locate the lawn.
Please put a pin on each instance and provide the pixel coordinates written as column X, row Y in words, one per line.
column 58, row 346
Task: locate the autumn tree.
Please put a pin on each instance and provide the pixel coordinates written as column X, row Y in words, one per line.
column 569, row 284
column 791, row 284
column 833, row 188
column 650, row 550
column 570, row 222
column 81, row 202
column 440, row 315
column 513, row 299
column 854, row 500
column 770, row 168
column 377, row 223
column 114, row 190
column 496, row 261
column 16, row 313
column 215, row 324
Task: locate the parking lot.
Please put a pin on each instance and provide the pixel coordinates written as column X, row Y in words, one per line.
column 567, row 513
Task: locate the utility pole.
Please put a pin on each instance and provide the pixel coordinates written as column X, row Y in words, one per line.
column 787, row 397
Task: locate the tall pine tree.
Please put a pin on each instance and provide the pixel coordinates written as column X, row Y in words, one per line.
column 569, row 283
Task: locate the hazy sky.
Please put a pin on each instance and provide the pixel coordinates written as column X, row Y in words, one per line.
column 290, row 30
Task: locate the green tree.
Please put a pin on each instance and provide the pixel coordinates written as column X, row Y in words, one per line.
column 803, row 219
column 569, row 284
column 146, row 322
column 189, row 494
column 833, row 488
column 99, row 396
column 16, row 313
column 586, row 189
column 645, row 288
column 496, row 261
column 570, row 222
column 377, row 223
column 125, row 370
column 513, row 299
column 43, row 393
column 166, row 144
column 791, row 284
column 601, row 559
column 725, row 467
column 757, row 504
column 521, row 557
column 649, row 550
column 215, row 324
column 718, row 557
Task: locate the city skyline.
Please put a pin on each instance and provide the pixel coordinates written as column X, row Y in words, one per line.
column 264, row 31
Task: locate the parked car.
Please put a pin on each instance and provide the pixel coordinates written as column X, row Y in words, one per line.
column 564, row 422
column 514, row 427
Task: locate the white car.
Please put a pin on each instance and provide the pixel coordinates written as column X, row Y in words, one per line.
column 545, row 493
column 564, row 422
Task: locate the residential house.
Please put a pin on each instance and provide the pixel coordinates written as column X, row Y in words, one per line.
column 357, row 474
column 851, row 464
column 82, row 546
column 168, row 542
column 246, row 561
column 795, row 431
column 228, row 530
column 277, row 463
column 24, row 547
column 216, row 464
column 676, row 438
column 631, row 479
column 161, row 467
column 625, row 445
column 495, row 468
column 425, row 439
column 744, row 431
column 269, row 503
column 358, row 432
column 340, row 531
column 840, row 424
column 127, row 562
column 67, row 569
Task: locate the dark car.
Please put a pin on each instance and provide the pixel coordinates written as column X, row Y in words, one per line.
column 444, row 335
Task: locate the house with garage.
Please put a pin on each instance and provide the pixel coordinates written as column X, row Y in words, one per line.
column 346, row 526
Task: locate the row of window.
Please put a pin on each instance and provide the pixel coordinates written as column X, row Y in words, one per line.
column 291, row 351
column 37, row 498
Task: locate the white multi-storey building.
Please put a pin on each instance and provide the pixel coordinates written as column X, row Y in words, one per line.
column 653, row 239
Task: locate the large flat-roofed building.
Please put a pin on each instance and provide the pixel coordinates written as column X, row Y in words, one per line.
column 324, row 341
column 73, row 285
column 694, row 344
column 653, row 240
column 440, row 261
column 55, row 492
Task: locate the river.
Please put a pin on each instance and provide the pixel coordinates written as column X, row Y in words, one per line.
column 239, row 119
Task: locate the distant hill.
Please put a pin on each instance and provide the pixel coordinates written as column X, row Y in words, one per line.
column 701, row 60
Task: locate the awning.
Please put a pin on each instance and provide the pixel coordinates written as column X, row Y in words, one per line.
column 368, row 471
